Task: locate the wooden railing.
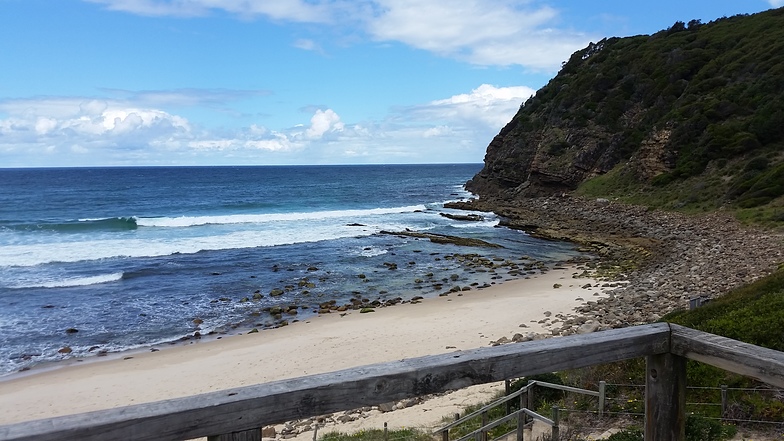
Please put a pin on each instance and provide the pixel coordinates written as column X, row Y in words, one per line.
column 237, row 414
column 525, row 396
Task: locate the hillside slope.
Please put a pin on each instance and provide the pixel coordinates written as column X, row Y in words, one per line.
column 694, row 113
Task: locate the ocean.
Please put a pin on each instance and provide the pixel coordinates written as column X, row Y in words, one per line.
column 97, row 260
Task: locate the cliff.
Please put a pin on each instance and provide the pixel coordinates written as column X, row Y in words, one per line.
column 695, row 103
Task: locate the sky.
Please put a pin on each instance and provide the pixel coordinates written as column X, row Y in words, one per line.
column 290, row 82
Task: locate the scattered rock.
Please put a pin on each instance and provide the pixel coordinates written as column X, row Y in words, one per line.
column 588, row 327
column 463, row 217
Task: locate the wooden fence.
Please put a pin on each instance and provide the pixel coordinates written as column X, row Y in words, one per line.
column 237, row 414
column 525, row 396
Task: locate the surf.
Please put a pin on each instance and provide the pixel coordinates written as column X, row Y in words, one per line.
column 194, row 221
column 72, row 282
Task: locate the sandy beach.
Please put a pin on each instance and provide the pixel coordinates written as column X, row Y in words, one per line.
column 322, row 344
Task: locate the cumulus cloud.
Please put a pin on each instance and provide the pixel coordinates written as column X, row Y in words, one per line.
column 39, row 128
column 453, row 129
column 91, row 131
column 489, row 105
column 324, row 121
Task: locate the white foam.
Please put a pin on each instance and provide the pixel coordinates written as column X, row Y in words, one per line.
column 372, row 251
column 161, row 245
column 487, row 223
column 190, row 221
column 76, row 281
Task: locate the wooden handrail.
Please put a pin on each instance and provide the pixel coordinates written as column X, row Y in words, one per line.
column 512, row 396
column 485, row 408
column 566, row 388
column 731, row 355
column 491, row 425
column 251, row 407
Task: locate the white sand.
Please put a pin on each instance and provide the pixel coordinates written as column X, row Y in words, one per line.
column 322, row 344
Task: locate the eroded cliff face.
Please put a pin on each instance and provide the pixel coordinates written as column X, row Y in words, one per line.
column 559, row 138
column 551, row 160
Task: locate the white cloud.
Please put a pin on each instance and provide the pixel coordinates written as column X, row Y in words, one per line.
column 776, row 3
column 185, row 97
column 289, row 10
column 279, row 143
column 508, row 32
column 324, row 121
column 41, row 128
column 498, row 33
column 307, row 45
column 45, row 125
column 488, row 105
column 92, row 107
column 437, row 131
column 65, row 131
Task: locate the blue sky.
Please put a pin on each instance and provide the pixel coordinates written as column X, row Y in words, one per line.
column 267, row 82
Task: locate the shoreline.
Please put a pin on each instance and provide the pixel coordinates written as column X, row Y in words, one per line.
column 502, row 272
column 321, row 344
column 664, row 259
column 408, row 269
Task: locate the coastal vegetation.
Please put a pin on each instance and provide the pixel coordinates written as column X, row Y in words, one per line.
column 406, row 434
column 686, row 120
column 689, row 118
column 752, row 314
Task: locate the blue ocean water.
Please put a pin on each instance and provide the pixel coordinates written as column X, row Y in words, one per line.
column 108, row 259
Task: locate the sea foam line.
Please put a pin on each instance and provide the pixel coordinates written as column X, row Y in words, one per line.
column 191, row 221
column 76, row 281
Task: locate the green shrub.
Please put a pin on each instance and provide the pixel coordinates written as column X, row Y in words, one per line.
column 627, row 435
column 697, row 429
column 748, row 314
column 703, row 429
column 378, row 435
column 542, row 395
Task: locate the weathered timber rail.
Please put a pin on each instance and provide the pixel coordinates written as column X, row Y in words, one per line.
column 236, row 414
column 525, row 396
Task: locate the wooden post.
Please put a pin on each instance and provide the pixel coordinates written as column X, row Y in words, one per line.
column 602, row 391
column 485, row 421
column 723, row 401
column 386, row 432
column 520, row 422
column 315, row 432
column 556, row 434
column 507, row 391
column 247, row 435
column 665, row 398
